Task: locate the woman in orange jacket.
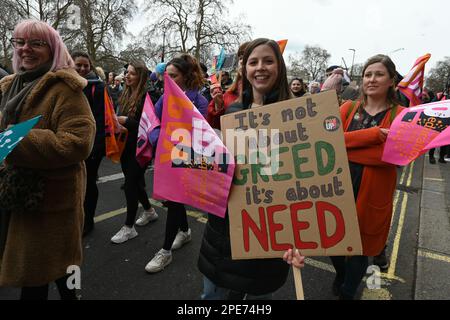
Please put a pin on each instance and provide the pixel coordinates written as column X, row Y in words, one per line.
column 366, row 126
column 221, row 101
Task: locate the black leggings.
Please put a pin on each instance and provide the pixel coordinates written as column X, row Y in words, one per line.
column 442, row 152
column 349, row 273
column 176, row 219
column 41, row 293
column 90, row 201
column 134, row 188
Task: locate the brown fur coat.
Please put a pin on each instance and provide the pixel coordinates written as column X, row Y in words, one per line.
column 42, row 244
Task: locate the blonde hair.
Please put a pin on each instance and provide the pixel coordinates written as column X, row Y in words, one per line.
column 100, row 73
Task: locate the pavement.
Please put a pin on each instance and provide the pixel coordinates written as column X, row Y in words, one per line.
column 433, row 256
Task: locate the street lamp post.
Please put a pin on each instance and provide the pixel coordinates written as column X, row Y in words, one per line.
column 353, row 62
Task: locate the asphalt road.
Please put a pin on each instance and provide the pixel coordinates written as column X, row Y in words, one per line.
column 117, row 271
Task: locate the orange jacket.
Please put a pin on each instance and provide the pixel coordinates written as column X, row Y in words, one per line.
column 213, row 117
column 379, row 179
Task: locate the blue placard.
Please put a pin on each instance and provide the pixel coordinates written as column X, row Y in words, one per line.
column 11, row 137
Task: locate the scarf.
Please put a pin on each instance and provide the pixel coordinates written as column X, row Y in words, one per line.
column 14, row 98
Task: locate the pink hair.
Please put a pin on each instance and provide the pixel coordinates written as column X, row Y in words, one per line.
column 43, row 31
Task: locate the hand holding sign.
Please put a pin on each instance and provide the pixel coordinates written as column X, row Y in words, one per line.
column 12, row 136
column 292, row 186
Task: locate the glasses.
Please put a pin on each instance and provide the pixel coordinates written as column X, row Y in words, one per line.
column 33, row 43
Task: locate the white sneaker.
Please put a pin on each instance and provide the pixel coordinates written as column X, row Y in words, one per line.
column 124, row 234
column 146, row 217
column 159, row 262
column 181, row 239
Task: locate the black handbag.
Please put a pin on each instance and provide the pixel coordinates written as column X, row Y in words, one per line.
column 21, row 189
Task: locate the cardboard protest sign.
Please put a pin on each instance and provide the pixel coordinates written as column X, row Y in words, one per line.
column 292, row 185
column 192, row 166
column 11, row 137
column 416, row 130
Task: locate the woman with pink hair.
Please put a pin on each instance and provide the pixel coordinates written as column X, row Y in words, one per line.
column 41, row 239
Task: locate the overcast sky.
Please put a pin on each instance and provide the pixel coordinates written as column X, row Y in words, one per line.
column 403, row 29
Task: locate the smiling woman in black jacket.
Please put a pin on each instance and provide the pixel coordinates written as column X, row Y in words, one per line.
column 264, row 82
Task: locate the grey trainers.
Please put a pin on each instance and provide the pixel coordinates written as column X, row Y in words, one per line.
column 146, row 216
column 159, row 262
column 124, row 234
column 181, row 239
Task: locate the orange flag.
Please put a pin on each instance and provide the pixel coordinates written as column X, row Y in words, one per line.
column 115, row 138
column 282, row 44
column 412, row 85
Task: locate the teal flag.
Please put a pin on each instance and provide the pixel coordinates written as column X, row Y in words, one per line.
column 220, row 59
column 11, row 137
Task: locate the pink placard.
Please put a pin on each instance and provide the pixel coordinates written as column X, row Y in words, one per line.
column 192, row 165
column 417, row 130
column 149, row 121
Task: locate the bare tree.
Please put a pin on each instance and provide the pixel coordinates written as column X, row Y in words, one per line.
column 103, row 24
column 7, row 23
column 312, row 61
column 195, row 26
column 173, row 26
column 101, row 29
column 53, row 12
column 211, row 29
column 296, row 69
column 439, row 76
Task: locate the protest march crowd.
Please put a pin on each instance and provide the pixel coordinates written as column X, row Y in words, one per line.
column 87, row 115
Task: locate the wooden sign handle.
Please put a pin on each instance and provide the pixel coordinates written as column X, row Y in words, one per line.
column 298, row 283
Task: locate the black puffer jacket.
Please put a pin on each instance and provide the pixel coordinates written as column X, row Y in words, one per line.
column 95, row 93
column 256, row 277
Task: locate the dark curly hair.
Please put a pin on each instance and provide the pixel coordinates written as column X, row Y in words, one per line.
column 190, row 69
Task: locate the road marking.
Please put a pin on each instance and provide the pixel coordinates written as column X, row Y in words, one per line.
column 329, row 267
column 433, row 256
column 378, row 294
column 110, row 215
column 397, row 195
column 200, row 217
column 401, row 221
column 434, row 179
column 194, row 214
column 113, row 177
